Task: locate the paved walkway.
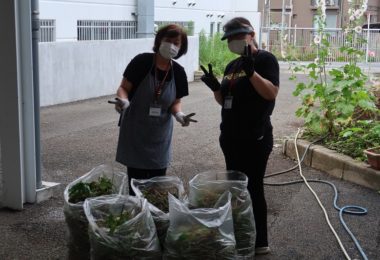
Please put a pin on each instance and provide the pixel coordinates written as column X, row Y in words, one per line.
column 79, row 136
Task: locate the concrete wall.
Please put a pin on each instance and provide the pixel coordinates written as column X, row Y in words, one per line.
column 71, row 71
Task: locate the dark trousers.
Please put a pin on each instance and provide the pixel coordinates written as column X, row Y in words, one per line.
column 142, row 174
column 253, row 163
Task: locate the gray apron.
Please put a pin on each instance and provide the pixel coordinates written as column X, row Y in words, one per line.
column 144, row 140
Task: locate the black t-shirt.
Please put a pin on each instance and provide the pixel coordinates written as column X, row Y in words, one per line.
column 139, row 67
column 249, row 116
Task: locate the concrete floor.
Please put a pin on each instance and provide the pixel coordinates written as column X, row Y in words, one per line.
column 78, row 136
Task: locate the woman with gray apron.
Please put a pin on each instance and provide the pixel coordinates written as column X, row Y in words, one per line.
column 149, row 94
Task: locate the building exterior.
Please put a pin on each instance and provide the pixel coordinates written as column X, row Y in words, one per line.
column 71, row 20
column 291, row 23
column 300, row 13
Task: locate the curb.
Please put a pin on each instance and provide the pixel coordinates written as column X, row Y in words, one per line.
column 336, row 164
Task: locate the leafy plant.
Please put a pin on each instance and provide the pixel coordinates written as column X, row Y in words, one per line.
column 330, row 98
column 123, row 231
column 353, row 140
column 113, row 221
column 334, row 101
column 82, row 190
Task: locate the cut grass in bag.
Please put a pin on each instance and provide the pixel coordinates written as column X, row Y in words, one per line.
column 156, row 191
column 101, row 180
column 121, row 227
column 205, row 190
column 204, row 233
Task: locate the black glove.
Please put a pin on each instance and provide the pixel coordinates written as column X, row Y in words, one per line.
column 209, row 79
column 248, row 62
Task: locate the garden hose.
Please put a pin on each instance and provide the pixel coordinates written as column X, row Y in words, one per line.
column 349, row 209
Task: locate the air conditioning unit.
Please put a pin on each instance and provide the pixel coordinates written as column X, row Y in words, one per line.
column 330, row 2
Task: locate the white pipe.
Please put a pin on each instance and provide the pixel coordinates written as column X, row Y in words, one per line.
column 368, row 21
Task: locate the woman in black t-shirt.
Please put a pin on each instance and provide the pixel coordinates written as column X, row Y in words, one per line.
column 247, row 95
column 149, row 94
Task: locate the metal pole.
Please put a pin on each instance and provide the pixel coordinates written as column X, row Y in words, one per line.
column 283, row 15
column 36, row 86
column 368, row 21
column 282, row 26
column 268, row 25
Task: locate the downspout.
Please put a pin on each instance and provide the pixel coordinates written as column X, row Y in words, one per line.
column 145, row 18
column 36, row 86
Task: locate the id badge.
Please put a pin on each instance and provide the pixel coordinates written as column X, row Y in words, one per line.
column 155, row 110
column 228, row 102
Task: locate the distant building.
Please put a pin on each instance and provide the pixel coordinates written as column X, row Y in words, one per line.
column 300, row 13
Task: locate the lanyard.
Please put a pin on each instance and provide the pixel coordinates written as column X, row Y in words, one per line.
column 158, row 87
column 232, row 84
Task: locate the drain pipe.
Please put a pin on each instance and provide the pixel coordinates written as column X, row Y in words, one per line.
column 145, row 19
column 36, row 87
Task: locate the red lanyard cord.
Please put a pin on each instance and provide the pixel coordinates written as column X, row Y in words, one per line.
column 158, row 87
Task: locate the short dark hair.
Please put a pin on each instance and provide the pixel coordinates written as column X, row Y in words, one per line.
column 171, row 31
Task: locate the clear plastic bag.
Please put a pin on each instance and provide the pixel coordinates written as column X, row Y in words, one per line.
column 121, row 227
column 206, row 188
column 204, row 233
column 156, row 191
column 78, row 240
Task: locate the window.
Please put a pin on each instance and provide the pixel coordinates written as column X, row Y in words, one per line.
column 105, row 30
column 331, row 20
column 333, row 3
column 47, row 30
column 212, row 24
column 219, row 27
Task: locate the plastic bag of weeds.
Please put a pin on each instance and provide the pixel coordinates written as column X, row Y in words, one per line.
column 206, row 188
column 156, row 191
column 111, row 182
column 121, row 227
column 203, row 233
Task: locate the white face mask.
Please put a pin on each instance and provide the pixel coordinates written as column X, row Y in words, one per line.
column 237, row 46
column 168, row 50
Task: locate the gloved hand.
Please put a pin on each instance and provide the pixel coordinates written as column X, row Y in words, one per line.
column 121, row 104
column 184, row 119
column 248, row 61
column 209, row 78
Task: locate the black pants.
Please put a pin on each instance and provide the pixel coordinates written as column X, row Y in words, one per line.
column 143, row 174
column 253, row 163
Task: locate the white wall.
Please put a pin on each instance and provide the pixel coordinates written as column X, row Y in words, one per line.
column 71, row 71
column 67, row 12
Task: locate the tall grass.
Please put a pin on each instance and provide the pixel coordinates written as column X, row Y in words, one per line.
column 213, row 50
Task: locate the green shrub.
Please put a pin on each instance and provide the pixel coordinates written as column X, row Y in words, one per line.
column 213, row 50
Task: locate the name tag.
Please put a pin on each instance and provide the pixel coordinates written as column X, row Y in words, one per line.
column 155, row 110
column 228, row 102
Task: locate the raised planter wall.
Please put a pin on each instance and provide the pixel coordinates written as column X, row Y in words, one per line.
column 335, row 164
